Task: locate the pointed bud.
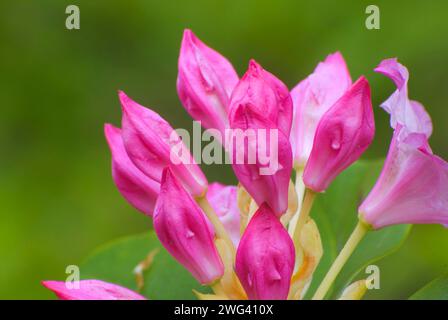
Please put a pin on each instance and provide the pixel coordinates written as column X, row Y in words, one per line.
column 265, row 257
column 205, row 82
column 260, row 119
column 313, row 97
column 261, row 158
column 223, row 200
column 137, row 188
column 343, row 134
column 266, row 95
column 91, row 290
column 152, row 144
column 412, row 187
column 183, row 230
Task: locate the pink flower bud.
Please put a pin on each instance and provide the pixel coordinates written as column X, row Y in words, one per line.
column 152, row 144
column 266, row 95
column 183, row 230
column 343, row 134
column 313, row 97
column 138, row 189
column 223, row 200
column 412, row 187
column 205, row 82
column 91, row 290
column 265, row 257
column 260, row 116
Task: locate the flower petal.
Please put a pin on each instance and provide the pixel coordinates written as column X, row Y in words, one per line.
column 185, row 232
column 91, row 290
column 137, row 188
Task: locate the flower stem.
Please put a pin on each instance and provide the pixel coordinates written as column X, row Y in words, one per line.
column 300, row 191
column 303, row 216
column 217, row 224
column 357, row 235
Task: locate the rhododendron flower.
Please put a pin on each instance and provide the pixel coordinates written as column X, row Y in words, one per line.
column 138, row 189
column 149, row 141
column 312, row 98
column 205, row 82
column 265, row 257
column 413, row 184
column 91, row 290
column 183, row 230
column 344, row 132
column 260, row 103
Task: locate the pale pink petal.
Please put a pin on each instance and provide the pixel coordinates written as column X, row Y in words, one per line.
column 313, row 97
column 412, row 187
column 223, row 200
column 91, row 290
column 265, row 257
column 411, row 115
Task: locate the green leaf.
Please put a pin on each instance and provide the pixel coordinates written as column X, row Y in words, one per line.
column 435, row 290
column 336, row 214
column 164, row 279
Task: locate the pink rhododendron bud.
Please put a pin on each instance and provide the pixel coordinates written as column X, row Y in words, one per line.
column 412, row 187
column 265, row 257
column 205, row 82
column 223, row 200
column 410, row 114
column 137, row 188
column 343, row 134
column 183, row 230
column 313, row 97
column 91, row 290
column 265, row 95
column 262, row 162
column 152, row 144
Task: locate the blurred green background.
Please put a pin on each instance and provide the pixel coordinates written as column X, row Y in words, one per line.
column 58, row 87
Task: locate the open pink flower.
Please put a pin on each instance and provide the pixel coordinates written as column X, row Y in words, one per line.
column 260, row 116
column 265, row 257
column 183, row 229
column 205, row 82
column 152, row 144
column 223, row 200
column 138, row 189
column 344, row 132
column 313, row 97
column 412, row 187
column 91, row 290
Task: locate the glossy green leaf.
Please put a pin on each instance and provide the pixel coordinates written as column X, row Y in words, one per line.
column 435, row 290
column 335, row 212
column 164, row 279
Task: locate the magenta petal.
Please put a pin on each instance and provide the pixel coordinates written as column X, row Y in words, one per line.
column 183, row 230
column 411, row 115
column 311, row 98
column 265, row 257
column 344, row 133
column 412, row 187
column 266, row 95
column 149, row 141
column 267, row 180
column 223, row 200
column 205, row 82
column 137, row 188
column 91, row 290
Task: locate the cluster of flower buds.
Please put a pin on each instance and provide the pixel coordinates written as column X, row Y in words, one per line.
column 235, row 238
